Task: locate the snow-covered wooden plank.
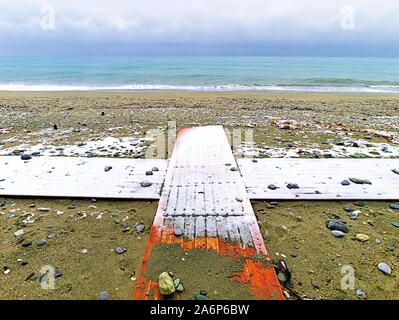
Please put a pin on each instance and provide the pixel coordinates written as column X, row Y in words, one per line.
column 320, row 179
column 81, row 177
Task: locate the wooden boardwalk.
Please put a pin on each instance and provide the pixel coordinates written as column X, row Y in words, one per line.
column 71, row 177
column 320, row 179
column 204, row 195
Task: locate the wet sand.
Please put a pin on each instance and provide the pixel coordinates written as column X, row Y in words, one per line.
column 293, row 125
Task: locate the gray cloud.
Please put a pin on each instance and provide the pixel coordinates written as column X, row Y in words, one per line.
column 204, row 24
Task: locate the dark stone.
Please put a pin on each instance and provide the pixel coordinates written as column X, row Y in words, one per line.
column 58, row 273
column 272, row 187
column 203, row 292
column 349, row 209
column 148, row 173
column 26, row 156
column 72, row 206
column 337, row 225
column 345, row 183
column 394, row 206
column 292, row 186
column 26, row 243
column 140, row 228
column 107, row 168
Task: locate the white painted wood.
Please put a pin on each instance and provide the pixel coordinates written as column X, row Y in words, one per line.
column 204, row 192
column 80, row 177
column 320, row 179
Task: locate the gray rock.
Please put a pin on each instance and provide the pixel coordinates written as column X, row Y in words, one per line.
column 119, row 250
column 26, row 156
column 394, row 206
column 51, row 235
column 361, row 294
column 345, row 183
column 140, row 228
column 107, row 168
column 103, row 295
column 178, row 232
column 384, row 268
column 26, row 243
column 145, row 184
column 337, row 225
column 337, row 233
column 41, row 243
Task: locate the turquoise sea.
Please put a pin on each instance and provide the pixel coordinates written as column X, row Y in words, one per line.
column 216, row 73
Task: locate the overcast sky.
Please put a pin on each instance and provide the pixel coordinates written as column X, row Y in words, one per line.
column 159, row 27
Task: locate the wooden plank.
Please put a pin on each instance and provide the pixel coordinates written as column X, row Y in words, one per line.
column 208, row 200
column 80, row 177
column 320, row 179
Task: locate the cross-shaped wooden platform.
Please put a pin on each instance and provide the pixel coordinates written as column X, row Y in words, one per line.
column 204, row 191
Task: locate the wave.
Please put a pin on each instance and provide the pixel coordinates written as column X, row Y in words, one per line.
column 394, row 89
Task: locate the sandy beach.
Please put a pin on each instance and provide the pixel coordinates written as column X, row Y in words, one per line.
column 304, row 125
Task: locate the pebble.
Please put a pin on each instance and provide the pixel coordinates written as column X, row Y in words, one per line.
column 72, row 206
column 384, row 268
column 44, row 209
column 149, row 173
column 281, row 277
column 58, row 273
column 166, row 285
column 41, row 243
column 43, row 277
column 51, row 235
column 178, row 232
column 145, row 184
column 140, row 228
column 26, row 243
column 395, row 224
column 26, row 156
column 203, row 292
column 394, row 206
column 18, row 233
column 107, row 168
column 353, row 217
column 119, row 250
column 362, row 237
column 272, row 187
column 360, row 204
column 337, row 233
column 377, row 241
column 337, row 225
column 84, row 251
column 292, row 186
column 361, row 294
column 155, row 169
column 345, row 183
column 200, row 297
column 349, row 209
column 103, row 295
